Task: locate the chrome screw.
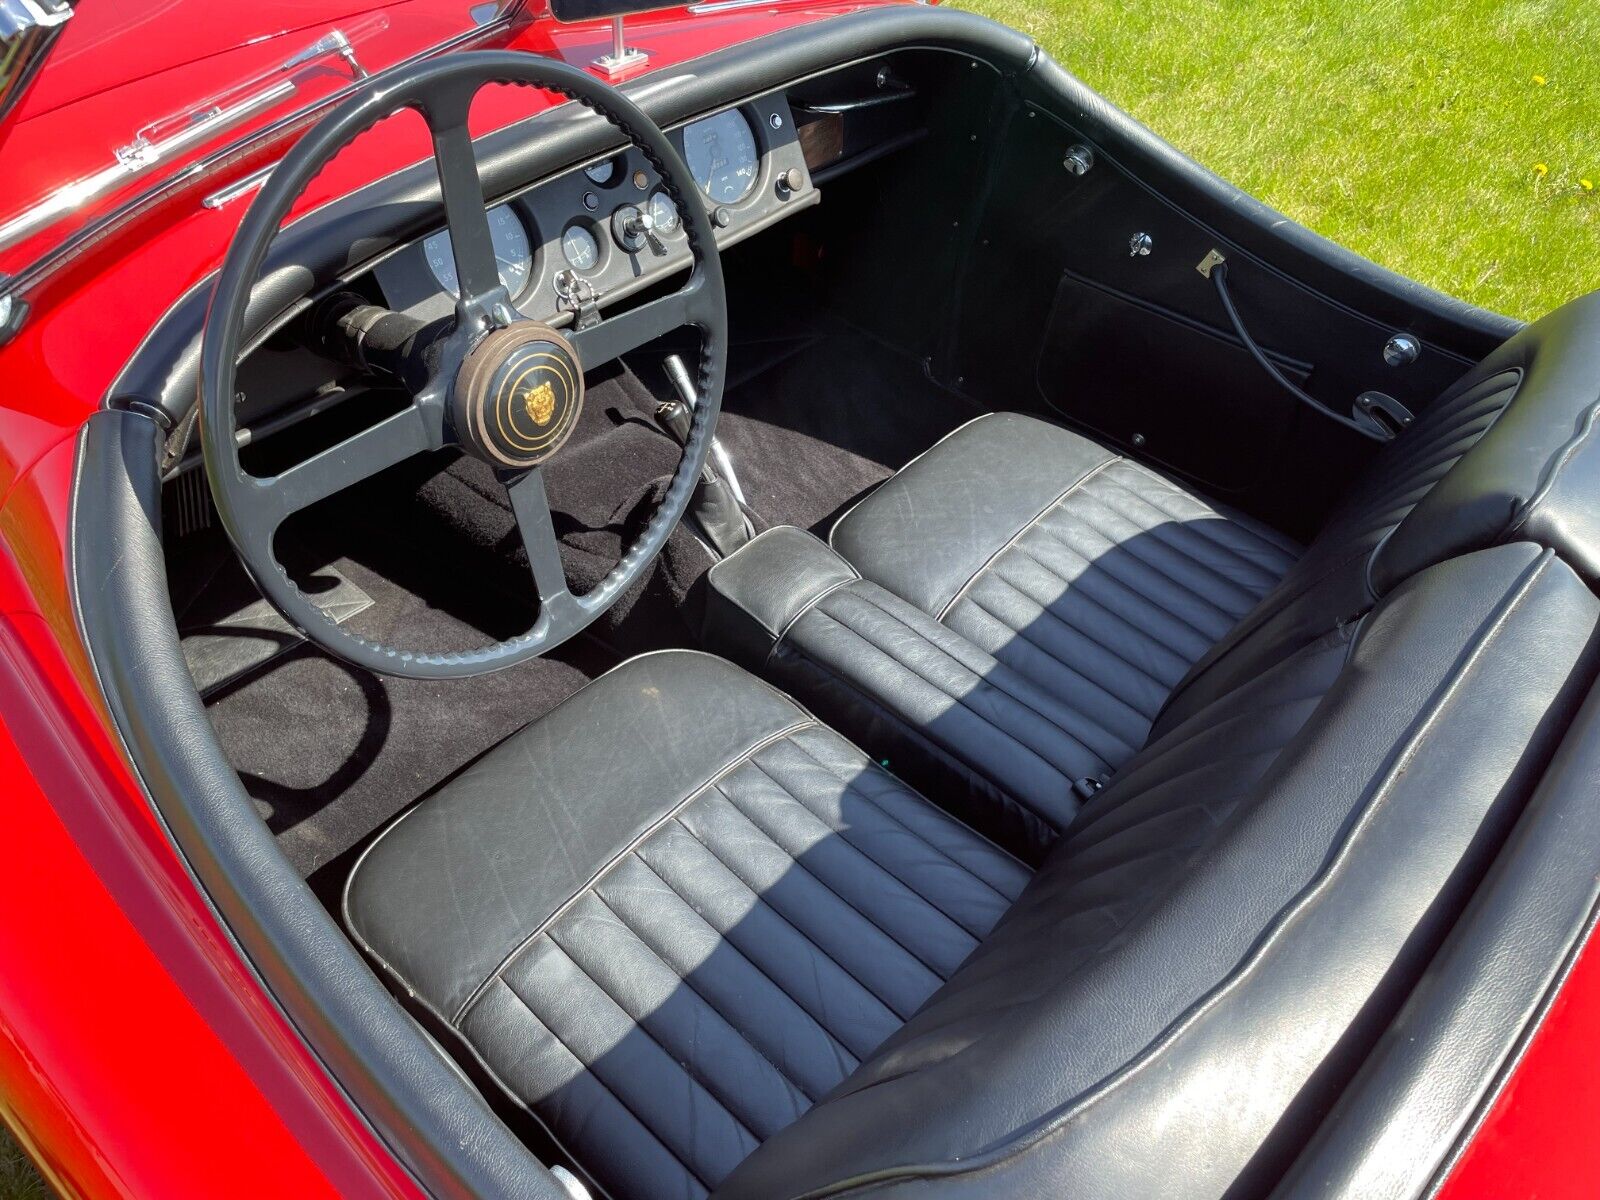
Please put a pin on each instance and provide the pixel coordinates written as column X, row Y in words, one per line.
column 1401, row 350
column 1079, row 159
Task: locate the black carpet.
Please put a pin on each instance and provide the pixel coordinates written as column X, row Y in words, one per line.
column 331, row 753
column 825, row 421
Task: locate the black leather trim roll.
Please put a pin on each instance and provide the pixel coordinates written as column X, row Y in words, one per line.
column 413, row 1097
column 1441, row 1065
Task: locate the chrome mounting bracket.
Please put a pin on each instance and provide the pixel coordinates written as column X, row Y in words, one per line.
column 622, row 58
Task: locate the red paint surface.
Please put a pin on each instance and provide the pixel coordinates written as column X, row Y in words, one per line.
column 1538, row 1141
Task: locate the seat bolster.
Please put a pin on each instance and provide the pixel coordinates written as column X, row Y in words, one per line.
column 932, row 526
column 1535, row 474
column 448, row 891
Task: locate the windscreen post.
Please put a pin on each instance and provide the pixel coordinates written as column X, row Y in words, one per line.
column 622, row 58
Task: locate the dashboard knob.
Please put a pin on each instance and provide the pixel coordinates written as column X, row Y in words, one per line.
column 722, row 216
column 634, row 229
column 791, row 181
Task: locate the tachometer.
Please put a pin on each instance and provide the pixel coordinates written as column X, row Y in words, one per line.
column 512, row 253
column 722, row 156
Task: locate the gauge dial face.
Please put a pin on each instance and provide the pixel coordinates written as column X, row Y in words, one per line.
column 602, row 173
column 579, row 248
column 722, row 156
column 512, row 253
column 664, row 213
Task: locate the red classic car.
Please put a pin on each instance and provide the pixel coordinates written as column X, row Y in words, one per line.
column 769, row 600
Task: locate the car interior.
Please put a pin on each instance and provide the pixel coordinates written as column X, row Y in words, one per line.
column 1108, row 639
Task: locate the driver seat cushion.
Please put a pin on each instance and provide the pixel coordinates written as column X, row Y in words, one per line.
column 673, row 914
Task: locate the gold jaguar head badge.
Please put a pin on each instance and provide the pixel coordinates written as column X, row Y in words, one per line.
column 540, row 402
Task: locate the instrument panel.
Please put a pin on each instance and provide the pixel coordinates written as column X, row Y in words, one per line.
column 612, row 226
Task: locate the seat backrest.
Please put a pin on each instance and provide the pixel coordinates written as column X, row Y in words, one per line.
column 1500, row 456
column 1205, row 958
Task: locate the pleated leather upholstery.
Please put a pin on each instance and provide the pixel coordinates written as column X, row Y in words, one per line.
column 725, row 968
column 998, row 750
column 1331, row 581
column 1205, row 958
column 1125, row 852
column 1111, row 595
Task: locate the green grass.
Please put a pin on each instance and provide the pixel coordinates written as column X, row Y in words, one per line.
column 18, row 1179
column 1411, row 131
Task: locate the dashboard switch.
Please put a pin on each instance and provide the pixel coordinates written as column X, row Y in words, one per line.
column 634, row 229
column 790, row 182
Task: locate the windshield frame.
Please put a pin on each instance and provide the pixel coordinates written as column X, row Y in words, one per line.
column 16, row 290
column 29, row 33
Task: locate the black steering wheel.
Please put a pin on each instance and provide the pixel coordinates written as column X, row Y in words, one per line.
column 503, row 389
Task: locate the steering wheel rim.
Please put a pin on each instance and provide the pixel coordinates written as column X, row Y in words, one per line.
column 251, row 508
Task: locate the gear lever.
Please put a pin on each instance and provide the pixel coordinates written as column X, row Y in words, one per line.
column 684, row 384
column 718, row 502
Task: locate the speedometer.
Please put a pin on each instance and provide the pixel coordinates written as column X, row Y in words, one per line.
column 512, row 253
column 722, row 156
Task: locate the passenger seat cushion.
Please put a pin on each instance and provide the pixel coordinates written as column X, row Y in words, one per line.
column 1095, row 578
column 756, row 909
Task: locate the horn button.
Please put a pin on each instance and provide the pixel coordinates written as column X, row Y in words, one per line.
column 518, row 395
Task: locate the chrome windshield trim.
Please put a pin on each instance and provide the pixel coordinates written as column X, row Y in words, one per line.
column 716, row 6
column 239, row 187
column 57, row 257
column 171, row 135
column 28, row 30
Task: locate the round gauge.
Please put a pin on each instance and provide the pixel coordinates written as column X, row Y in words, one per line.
column 602, row 174
column 664, row 213
column 512, row 253
column 722, row 156
column 579, row 248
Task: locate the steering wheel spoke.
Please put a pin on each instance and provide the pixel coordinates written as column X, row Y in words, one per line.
column 356, row 459
column 477, row 272
column 616, row 336
column 530, row 504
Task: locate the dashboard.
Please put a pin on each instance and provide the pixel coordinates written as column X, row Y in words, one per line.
column 607, row 229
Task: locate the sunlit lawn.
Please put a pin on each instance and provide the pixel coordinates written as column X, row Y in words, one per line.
column 1456, row 142
column 17, row 1178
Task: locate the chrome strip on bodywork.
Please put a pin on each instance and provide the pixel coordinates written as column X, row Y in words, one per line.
column 495, row 18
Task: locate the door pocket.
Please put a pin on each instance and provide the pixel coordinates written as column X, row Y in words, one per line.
column 1179, row 393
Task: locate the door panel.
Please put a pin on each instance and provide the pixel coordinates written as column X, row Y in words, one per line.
column 1057, row 314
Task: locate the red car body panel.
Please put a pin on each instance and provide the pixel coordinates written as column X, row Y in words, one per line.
column 158, row 1066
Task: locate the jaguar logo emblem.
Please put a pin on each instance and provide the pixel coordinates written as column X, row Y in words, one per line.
column 540, row 402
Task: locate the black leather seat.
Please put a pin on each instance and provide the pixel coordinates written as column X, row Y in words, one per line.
column 1017, row 607
column 712, row 947
column 673, row 914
